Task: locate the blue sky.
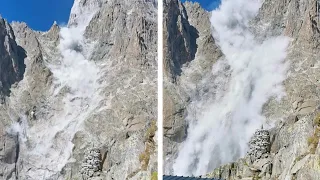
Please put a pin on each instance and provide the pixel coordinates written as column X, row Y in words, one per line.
column 207, row 4
column 38, row 14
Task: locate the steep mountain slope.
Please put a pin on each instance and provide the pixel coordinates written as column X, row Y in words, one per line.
column 88, row 90
column 182, row 27
column 291, row 142
column 12, row 67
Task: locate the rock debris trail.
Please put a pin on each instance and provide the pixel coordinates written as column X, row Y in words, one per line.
column 48, row 147
column 248, row 75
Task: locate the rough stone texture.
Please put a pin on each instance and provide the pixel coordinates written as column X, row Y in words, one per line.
column 85, row 8
column 290, row 154
column 9, row 154
column 180, row 38
column 189, row 53
column 91, row 165
column 11, row 59
column 124, row 36
column 259, row 145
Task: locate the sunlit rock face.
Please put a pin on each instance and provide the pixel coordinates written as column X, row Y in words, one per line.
column 89, row 85
column 83, row 10
column 289, row 119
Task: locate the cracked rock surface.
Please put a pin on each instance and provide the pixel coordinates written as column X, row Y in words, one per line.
column 294, row 152
column 121, row 40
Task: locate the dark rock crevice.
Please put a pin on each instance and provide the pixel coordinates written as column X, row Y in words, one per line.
column 180, row 38
column 12, row 57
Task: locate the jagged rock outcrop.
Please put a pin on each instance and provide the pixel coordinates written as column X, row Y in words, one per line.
column 294, row 135
column 189, row 53
column 292, row 156
column 180, row 38
column 12, row 69
column 9, row 154
column 85, row 8
column 11, row 61
column 54, row 131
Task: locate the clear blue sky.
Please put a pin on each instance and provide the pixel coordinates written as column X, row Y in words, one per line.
column 38, row 14
column 209, row 5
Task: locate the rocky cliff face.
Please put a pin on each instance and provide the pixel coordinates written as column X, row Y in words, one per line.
column 294, row 131
column 91, row 85
column 200, row 52
column 184, row 34
column 12, row 57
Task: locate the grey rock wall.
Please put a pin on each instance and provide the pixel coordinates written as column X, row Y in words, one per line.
column 122, row 126
column 11, row 61
column 189, row 53
column 294, row 136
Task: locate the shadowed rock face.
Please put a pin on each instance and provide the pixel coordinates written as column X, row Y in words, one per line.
column 189, row 53
column 180, row 37
column 12, row 70
column 291, row 156
column 11, row 59
column 121, row 41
